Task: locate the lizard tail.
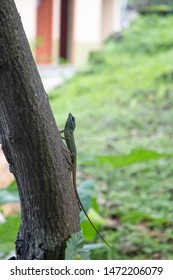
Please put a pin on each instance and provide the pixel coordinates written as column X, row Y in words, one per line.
column 82, row 208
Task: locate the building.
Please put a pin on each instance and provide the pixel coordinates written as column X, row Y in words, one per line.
column 68, row 29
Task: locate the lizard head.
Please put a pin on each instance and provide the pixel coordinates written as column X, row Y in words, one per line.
column 70, row 124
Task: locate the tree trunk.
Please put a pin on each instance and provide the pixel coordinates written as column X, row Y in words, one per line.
column 33, row 148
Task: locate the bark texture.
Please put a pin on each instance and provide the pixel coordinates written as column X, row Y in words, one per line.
column 33, row 147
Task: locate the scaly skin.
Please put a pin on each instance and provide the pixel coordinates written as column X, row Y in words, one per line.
column 70, row 142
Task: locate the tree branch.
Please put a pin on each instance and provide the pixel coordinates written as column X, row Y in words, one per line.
column 33, row 147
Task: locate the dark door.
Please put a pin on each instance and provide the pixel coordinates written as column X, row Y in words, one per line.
column 66, row 28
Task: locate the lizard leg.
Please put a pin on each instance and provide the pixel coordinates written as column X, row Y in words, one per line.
column 66, row 154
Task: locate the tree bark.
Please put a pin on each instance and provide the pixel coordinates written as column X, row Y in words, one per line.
column 33, row 147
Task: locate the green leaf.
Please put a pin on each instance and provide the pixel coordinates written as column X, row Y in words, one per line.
column 86, row 191
column 88, row 230
column 137, row 216
column 8, row 233
column 133, row 216
column 93, row 246
column 96, row 217
column 135, row 156
column 7, row 196
column 75, row 248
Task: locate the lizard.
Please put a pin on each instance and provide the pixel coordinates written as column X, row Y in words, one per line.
column 70, row 142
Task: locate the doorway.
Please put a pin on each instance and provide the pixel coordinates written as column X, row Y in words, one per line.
column 66, row 29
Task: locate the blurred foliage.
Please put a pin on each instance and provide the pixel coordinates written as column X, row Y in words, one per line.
column 9, row 195
column 8, row 232
column 75, row 248
column 9, row 228
column 122, row 101
column 152, row 6
column 151, row 3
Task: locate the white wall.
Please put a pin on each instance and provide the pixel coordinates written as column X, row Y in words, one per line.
column 27, row 11
column 117, row 25
column 56, row 19
column 87, row 21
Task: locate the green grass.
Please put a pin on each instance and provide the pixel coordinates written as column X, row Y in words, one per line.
column 122, row 101
column 8, row 232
